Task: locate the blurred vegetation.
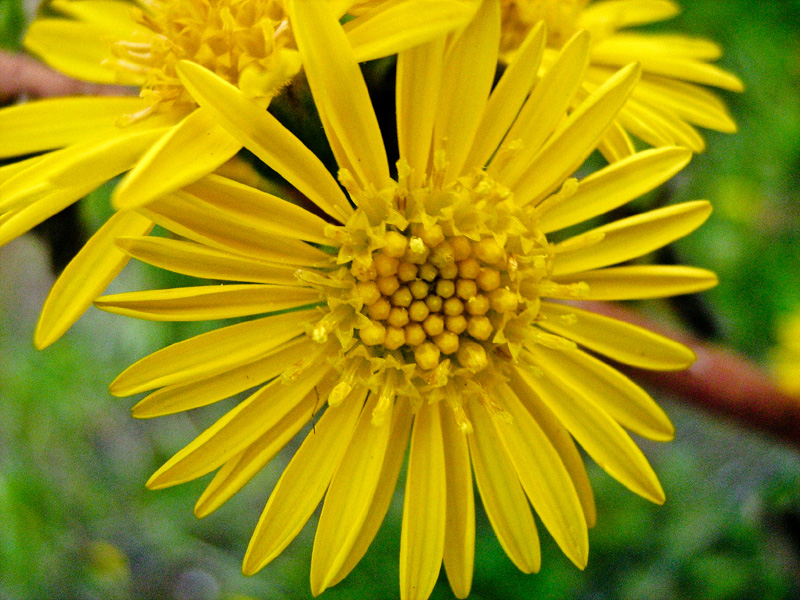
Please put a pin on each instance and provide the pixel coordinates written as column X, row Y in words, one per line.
column 78, row 523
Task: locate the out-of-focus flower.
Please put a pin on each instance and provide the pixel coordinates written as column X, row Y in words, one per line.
column 161, row 137
column 430, row 306
column 785, row 356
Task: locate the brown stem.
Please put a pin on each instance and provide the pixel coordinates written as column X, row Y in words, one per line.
column 23, row 75
column 720, row 381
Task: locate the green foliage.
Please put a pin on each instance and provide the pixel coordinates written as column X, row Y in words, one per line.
column 12, row 22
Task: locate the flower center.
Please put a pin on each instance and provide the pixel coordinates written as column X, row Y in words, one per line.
column 519, row 16
column 246, row 42
column 438, row 287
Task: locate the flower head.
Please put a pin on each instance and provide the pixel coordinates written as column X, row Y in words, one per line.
column 433, row 306
column 160, row 138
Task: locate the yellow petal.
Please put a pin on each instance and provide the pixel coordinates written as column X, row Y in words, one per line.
column 235, row 430
column 56, row 122
column 349, row 497
column 201, row 261
column 563, row 443
column 240, row 469
column 187, row 215
column 264, row 136
column 602, row 438
column 77, row 49
column 193, row 148
column 692, row 102
column 616, row 144
column 253, row 206
column 114, row 17
column 502, row 495
column 507, row 98
column 86, row 276
column 424, row 507
column 613, row 186
column 623, row 400
column 418, row 79
column 304, row 481
column 630, row 238
column 17, row 222
column 459, row 534
column 627, row 13
column 211, row 302
column 80, row 166
column 339, row 92
column 545, row 108
column 666, row 122
column 623, row 342
column 393, row 461
column 392, row 27
column 640, row 282
column 211, row 353
column 575, row 138
column 178, row 398
column 683, row 61
column 467, row 78
column 544, row 478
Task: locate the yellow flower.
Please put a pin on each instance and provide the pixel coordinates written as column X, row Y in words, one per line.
column 431, row 306
column 669, row 101
column 160, row 138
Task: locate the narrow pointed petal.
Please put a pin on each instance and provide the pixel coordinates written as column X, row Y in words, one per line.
column 563, row 443
column 640, row 282
column 544, row 478
column 339, row 92
column 602, row 438
column 627, row 13
column 467, row 78
column 86, row 276
column 81, row 166
column 616, row 144
column 459, row 533
column 204, row 303
column 235, row 430
column 545, row 108
column 632, row 237
column 201, row 261
column 623, row 342
column 613, row 186
column 503, row 498
column 694, row 103
column 253, row 206
column 264, row 136
column 663, row 57
column 187, row 215
column 576, row 138
column 393, row 27
column 392, row 463
column 17, row 222
column 211, row 353
column 424, row 507
column 239, row 470
column 303, row 483
column 349, row 497
column 55, row 122
column 418, row 79
column 507, row 98
column 193, row 148
column 182, row 397
column 623, row 400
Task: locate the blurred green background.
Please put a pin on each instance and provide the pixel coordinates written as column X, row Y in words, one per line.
column 77, row 522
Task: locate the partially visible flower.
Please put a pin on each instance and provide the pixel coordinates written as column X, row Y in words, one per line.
column 161, row 137
column 669, row 101
column 785, row 356
column 433, row 306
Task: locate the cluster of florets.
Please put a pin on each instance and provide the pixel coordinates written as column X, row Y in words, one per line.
column 246, row 42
